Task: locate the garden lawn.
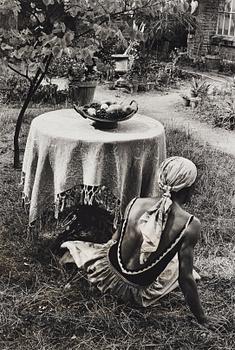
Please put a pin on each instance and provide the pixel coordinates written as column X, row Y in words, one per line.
column 43, row 308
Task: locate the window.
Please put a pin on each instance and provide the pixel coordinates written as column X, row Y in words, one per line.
column 226, row 18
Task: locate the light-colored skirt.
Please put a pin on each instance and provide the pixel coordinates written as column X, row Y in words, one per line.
column 94, row 259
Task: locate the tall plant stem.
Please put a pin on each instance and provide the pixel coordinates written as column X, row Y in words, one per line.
column 36, row 81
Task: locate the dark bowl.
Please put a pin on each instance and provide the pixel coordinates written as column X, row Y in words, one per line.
column 102, row 123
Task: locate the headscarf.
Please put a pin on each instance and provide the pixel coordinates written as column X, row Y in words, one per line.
column 175, row 173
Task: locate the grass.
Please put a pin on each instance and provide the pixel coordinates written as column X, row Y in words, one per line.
column 46, row 307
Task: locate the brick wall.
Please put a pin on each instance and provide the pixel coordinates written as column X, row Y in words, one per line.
column 199, row 43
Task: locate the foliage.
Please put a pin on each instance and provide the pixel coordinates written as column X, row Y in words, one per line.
column 13, row 89
column 81, row 72
column 59, row 67
column 227, row 67
column 106, row 63
column 147, row 68
column 165, row 20
column 49, row 32
column 199, row 88
column 49, row 94
column 52, row 28
column 74, row 28
column 107, row 48
column 62, row 67
column 218, row 108
column 72, row 68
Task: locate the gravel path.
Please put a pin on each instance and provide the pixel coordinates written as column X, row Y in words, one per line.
column 164, row 109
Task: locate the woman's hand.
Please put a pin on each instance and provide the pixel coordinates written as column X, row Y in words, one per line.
column 215, row 323
column 211, row 323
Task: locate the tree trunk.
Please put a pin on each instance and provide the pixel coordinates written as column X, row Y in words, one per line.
column 32, row 89
column 18, row 127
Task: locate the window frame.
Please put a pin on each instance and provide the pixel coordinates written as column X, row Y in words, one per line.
column 223, row 14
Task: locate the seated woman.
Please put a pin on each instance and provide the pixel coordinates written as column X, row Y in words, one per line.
column 152, row 252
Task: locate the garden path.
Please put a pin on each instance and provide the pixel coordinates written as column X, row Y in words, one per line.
column 166, row 109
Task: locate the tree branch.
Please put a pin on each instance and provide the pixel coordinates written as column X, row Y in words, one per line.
column 47, row 62
column 115, row 14
column 18, row 72
column 103, row 7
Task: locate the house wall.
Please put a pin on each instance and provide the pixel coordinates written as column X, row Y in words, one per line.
column 199, row 43
column 205, row 41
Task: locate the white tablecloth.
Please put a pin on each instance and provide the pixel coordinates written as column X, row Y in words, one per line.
column 64, row 150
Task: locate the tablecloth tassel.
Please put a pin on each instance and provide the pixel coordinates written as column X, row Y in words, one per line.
column 87, row 196
column 57, row 206
column 95, row 195
column 22, row 180
column 85, row 191
column 25, row 202
column 63, row 203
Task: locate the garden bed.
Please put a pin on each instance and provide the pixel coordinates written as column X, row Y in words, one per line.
column 216, row 107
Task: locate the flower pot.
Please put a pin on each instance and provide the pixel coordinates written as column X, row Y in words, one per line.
column 186, row 101
column 212, row 62
column 194, row 102
column 82, row 93
column 121, row 63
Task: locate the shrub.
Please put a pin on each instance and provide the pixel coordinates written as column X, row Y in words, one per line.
column 60, row 67
column 13, row 89
column 45, row 94
column 148, row 68
column 218, row 109
column 227, row 67
column 50, row 95
column 224, row 116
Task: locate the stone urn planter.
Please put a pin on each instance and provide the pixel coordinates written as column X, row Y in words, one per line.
column 121, row 63
column 82, row 93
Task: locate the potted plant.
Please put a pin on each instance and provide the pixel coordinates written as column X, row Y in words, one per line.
column 199, row 88
column 82, row 82
column 186, row 100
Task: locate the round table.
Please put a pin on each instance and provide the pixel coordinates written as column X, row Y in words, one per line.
column 64, row 150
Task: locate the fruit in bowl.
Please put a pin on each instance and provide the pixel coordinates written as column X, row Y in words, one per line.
column 107, row 112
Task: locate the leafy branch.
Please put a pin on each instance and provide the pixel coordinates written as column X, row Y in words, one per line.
column 18, row 72
column 51, row 30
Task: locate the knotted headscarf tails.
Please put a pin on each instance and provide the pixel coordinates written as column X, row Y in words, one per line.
column 175, row 173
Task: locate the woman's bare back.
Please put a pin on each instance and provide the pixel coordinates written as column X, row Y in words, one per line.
column 132, row 239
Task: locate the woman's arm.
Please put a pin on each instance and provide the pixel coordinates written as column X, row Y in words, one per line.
column 186, row 280
column 117, row 233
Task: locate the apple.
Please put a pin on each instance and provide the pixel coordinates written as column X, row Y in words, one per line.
column 104, row 106
column 91, row 111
